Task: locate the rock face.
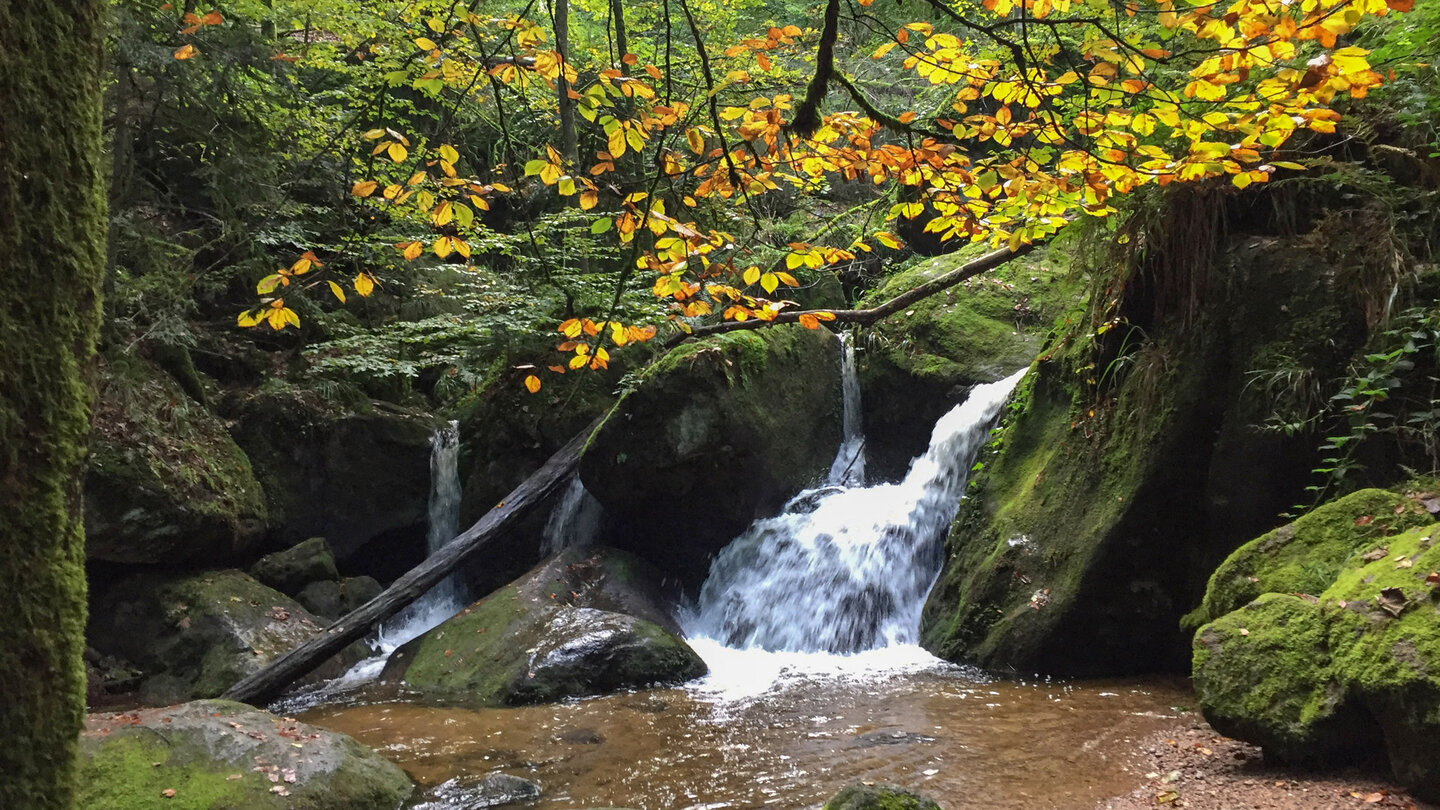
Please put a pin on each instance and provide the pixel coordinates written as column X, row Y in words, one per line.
column 580, row 624
column 1347, row 674
column 358, row 475
column 879, row 797
column 738, row 422
column 918, row 364
column 220, row 755
column 166, row 484
column 196, row 634
column 1132, row 464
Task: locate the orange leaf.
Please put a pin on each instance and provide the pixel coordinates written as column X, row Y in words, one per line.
column 532, row 383
column 185, row 52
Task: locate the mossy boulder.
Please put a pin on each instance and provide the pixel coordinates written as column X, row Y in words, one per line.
column 221, row 755
column 738, row 422
column 916, row 365
column 196, row 634
column 347, row 469
column 1131, row 464
column 583, row 623
column 1357, row 666
column 166, row 484
column 881, row 796
column 291, row 569
column 1305, row 556
column 1263, row 674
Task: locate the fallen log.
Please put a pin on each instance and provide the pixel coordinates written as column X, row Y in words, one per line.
column 270, row 681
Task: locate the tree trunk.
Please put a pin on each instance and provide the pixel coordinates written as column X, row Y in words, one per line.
column 52, row 258
column 285, row 670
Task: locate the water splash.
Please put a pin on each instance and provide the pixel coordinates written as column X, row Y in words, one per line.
column 575, row 520
column 848, row 469
column 843, row 570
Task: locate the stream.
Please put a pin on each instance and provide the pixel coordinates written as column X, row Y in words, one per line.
column 943, row 730
column 809, row 624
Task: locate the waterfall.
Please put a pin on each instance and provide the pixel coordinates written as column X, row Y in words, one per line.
column 848, row 468
column 575, row 520
column 443, row 523
column 843, row 570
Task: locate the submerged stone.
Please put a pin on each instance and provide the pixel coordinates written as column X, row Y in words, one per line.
column 879, row 797
column 221, row 755
column 491, row 790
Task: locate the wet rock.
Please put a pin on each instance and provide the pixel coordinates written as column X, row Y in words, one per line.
column 1350, row 674
column 196, row 634
column 556, row 632
column 493, row 790
column 220, row 755
column 166, row 485
column 580, row 736
column 879, row 797
column 290, row 570
column 739, row 422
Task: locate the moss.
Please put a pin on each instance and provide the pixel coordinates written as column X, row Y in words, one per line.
column 1305, row 556
column 52, row 251
column 134, row 773
column 879, row 797
column 166, row 483
column 1263, row 673
column 220, row 755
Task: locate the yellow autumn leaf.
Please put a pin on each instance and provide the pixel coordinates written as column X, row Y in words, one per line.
column 364, row 284
column 185, row 52
column 397, row 152
column 364, row 188
column 335, row 289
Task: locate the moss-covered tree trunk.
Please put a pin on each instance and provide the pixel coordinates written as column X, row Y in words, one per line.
column 52, row 228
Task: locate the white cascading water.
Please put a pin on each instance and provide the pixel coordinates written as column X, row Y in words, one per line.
column 574, row 522
column 442, row 525
column 843, row 569
column 848, row 469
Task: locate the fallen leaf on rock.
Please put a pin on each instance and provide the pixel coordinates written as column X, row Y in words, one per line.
column 1168, row 797
column 232, row 777
column 1244, row 631
column 168, row 793
column 1374, row 554
column 1392, row 601
column 1364, row 520
column 1368, row 798
column 280, row 790
column 1433, row 578
column 1405, row 563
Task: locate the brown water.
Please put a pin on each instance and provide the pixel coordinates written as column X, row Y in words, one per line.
column 943, row 731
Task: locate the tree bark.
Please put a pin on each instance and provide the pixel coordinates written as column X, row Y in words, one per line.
column 285, row 670
column 52, row 260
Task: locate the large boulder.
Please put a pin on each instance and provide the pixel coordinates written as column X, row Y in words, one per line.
column 196, row 634
column 347, row 469
column 1328, row 680
column 220, row 755
column 1133, row 461
column 165, row 484
column 583, row 623
column 1305, row 556
column 716, row 434
column 921, row 362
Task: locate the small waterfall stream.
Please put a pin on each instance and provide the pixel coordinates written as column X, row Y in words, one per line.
column 575, row 521
column 846, row 569
column 848, row 469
